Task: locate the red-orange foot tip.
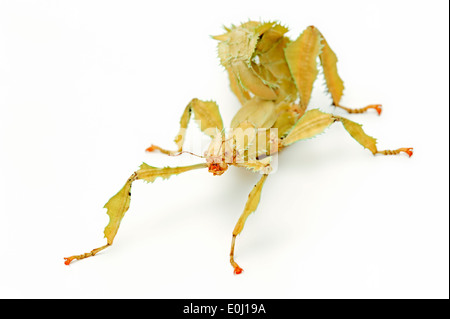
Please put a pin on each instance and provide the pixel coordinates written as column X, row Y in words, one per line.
column 378, row 108
column 238, row 270
column 409, row 151
column 150, row 149
column 68, row 260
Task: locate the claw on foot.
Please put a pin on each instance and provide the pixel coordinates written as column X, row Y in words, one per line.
column 377, row 108
column 408, row 151
column 153, row 148
column 68, row 260
column 238, row 270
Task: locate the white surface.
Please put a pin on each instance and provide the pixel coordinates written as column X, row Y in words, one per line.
column 85, row 87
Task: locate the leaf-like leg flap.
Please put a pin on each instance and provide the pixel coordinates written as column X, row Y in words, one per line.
column 328, row 59
column 118, row 205
column 301, row 56
column 250, row 207
column 312, row 123
column 335, row 85
column 359, row 135
column 258, row 166
column 205, row 112
column 367, row 141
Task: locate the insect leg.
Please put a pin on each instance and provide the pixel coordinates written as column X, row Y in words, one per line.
column 376, row 107
column 205, row 112
column 179, row 139
column 250, row 206
column 301, row 56
column 118, row 205
column 356, row 131
column 335, row 85
column 314, row 122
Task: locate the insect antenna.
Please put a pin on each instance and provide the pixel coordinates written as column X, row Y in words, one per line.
column 178, row 154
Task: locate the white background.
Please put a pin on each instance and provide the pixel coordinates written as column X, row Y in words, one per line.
column 86, row 86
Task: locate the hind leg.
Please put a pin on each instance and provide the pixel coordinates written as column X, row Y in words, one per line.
column 315, row 122
column 356, row 131
column 334, row 82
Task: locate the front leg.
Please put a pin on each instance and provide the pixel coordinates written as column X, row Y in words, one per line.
column 208, row 115
column 250, row 207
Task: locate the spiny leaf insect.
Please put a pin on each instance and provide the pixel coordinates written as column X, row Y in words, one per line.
column 272, row 76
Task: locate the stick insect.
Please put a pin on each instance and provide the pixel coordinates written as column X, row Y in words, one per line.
column 272, row 77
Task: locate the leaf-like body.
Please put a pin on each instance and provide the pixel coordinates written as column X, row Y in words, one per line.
column 237, row 49
column 313, row 122
column 238, row 44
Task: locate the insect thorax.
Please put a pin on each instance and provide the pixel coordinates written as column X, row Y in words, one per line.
column 251, row 148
